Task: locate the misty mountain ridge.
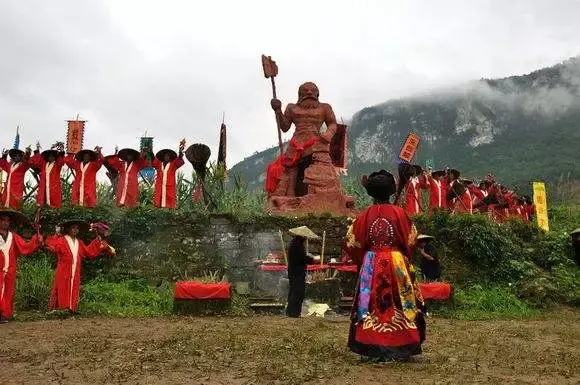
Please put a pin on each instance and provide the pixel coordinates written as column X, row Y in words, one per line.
column 519, row 128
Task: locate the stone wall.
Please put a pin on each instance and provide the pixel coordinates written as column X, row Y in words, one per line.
column 169, row 249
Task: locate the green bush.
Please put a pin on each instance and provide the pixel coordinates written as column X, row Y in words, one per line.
column 551, row 250
column 485, row 302
column 33, row 282
column 125, row 299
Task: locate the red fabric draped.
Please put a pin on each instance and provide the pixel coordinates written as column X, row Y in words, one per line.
column 202, row 291
column 275, row 169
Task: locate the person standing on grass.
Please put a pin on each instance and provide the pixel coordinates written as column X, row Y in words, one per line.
column 70, row 252
column 387, row 321
column 11, row 246
column 166, row 163
column 297, row 261
column 85, row 164
column 429, row 259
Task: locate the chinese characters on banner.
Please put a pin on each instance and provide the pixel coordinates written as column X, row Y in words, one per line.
column 75, row 135
column 409, row 148
column 541, row 205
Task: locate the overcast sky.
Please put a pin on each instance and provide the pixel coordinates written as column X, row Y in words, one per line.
column 172, row 67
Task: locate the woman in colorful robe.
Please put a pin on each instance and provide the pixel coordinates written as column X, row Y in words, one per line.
column 128, row 163
column 70, row 252
column 387, row 320
column 85, row 164
column 50, row 163
column 16, row 169
column 166, row 163
column 11, row 247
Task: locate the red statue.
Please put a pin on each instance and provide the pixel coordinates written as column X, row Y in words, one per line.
column 304, row 177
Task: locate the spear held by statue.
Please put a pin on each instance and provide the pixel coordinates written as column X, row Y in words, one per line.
column 270, row 71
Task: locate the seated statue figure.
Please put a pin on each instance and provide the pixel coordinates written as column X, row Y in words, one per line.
column 308, row 182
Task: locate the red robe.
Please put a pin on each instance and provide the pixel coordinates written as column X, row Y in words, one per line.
column 463, row 203
column 14, row 187
column 165, row 186
column 13, row 247
column 380, row 241
column 49, row 186
column 437, row 193
column 67, row 277
column 84, row 188
column 127, row 194
column 413, row 196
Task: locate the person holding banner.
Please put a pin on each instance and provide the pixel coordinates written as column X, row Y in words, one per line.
column 15, row 171
column 387, row 320
column 128, row 163
column 11, row 247
column 166, row 163
column 85, row 164
column 50, row 164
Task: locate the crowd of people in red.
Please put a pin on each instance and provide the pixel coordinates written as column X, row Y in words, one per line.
column 447, row 190
column 123, row 167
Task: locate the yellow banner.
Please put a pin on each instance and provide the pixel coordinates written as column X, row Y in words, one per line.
column 541, row 204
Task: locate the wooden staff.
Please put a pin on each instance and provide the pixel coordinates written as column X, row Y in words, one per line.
column 270, row 71
column 322, row 251
column 283, row 247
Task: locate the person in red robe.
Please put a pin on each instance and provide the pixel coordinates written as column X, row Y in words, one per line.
column 15, row 171
column 11, row 247
column 128, row 163
column 387, row 321
column 458, row 196
column 85, row 164
column 437, row 185
column 413, row 199
column 50, row 163
column 70, row 252
column 166, row 164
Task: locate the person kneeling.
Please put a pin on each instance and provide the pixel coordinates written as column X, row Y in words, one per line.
column 70, row 252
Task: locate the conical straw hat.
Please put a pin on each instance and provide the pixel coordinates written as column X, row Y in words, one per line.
column 424, row 236
column 304, row 232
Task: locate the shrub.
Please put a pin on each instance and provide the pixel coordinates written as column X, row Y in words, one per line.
column 33, row 282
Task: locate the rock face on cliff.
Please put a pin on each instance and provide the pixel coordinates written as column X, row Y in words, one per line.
column 520, row 128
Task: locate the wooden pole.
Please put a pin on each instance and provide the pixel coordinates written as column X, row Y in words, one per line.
column 280, row 144
column 283, row 247
column 323, row 245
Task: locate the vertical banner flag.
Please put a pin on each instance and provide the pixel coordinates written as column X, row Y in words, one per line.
column 409, row 148
column 75, row 135
column 541, row 204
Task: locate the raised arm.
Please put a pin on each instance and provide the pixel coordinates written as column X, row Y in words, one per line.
column 24, row 247
column 4, row 165
column 115, row 163
column 71, row 162
column 95, row 248
column 284, row 120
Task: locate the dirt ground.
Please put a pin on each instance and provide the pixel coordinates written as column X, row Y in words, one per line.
column 270, row 350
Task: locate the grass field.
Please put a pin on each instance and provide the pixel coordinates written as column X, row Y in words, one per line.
column 542, row 349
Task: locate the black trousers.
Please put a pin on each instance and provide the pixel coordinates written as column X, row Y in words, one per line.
column 297, row 283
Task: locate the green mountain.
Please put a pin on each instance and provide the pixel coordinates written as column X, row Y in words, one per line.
column 520, row 129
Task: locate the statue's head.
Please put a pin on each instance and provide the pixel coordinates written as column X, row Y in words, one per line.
column 308, row 95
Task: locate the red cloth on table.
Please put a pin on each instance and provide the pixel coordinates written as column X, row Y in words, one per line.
column 314, row 267
column 346, row 268
column 275, row 169
column 436, row 290
column 200, row 290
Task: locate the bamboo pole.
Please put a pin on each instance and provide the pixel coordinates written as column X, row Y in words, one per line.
column 283, row 247
column 323, row 245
